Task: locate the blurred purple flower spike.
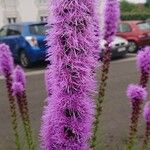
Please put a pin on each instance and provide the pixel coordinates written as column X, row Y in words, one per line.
column 19, row 80
column 6, row 60
column 136, row 93
column 146, row 115
column 143, row 59
column 19, row 90
column 6, row 69
column 111, row 18
column 146, row 112
column 143, row 65
column 19, row 75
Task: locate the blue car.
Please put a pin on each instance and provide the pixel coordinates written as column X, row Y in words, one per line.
column 26, row 41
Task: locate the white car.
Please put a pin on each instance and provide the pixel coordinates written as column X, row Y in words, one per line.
column 119, row 47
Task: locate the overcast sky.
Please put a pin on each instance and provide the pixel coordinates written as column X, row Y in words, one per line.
column 137, row 1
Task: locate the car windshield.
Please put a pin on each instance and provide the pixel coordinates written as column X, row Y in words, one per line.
column 38, row 29
column 144, row 26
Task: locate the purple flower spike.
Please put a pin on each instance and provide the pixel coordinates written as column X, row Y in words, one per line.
column 146, row 115
column 17, row 87
column 19, row 81
column 112, row 15
column 48, row 83
column 0, row 70
column 136, row 92
column 143, row 60
column 73, row 46
column 19, row 76
column 146, row 112
column 6, row 60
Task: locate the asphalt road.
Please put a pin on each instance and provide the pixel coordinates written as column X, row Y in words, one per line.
column 116, row 109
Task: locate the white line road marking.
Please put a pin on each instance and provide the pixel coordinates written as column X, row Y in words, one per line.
column 32, row 73
column 38, row 72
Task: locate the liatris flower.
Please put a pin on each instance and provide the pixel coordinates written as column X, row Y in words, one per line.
column 143, row 64
column 7, row 65
column 68, row 116
column 0, row 70
column 111, row 18
column 136, row 94
column 146, row 115
column 6, row 62
column 112, row 14
column 19, row 85
column 48, row 81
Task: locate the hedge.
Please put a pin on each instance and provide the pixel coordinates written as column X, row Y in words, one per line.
column 135, row 16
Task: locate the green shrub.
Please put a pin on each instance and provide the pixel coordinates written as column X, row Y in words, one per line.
column 128, row 7
column 135, row 16
column 132, row 11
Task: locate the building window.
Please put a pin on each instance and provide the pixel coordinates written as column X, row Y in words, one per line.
column 43, row 18
column 42, row 1
column 11, row 20
column 10, row 3
column 14, row 30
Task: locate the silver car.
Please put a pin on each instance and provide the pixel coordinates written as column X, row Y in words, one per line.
column 119, row 47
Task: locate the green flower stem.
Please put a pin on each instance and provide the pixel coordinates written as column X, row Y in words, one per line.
column 101, row 93
column 13, row 111
column 147, row 136
column 23, row 108
column 144, row 79
column 136, row 108
column 27, row 119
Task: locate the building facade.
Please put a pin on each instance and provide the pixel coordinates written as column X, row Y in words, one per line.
column 12, row 11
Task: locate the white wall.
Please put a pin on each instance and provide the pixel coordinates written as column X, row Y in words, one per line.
column 1, row 16
column 28, row 10
column 24, row 10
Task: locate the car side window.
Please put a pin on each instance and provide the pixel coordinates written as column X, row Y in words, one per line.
column 3, row 31
column 13, row 30
column 124, row 27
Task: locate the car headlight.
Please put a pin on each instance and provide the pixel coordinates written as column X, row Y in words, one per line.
column 32, row 41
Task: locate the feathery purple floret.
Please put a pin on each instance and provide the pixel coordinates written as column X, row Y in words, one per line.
column 146, row 112
column 17, row 88
column 19, row 80
column 19, row 75
column 48, row 81
column 68, row 116
column 136, row 92
column 6, row 60
column 143, row 60
column 0, row 70
column 111, row 18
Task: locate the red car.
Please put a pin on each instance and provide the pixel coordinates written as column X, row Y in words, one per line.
column 136, row 32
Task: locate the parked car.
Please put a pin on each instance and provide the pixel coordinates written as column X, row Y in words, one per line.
column 136, row 32
column 119, row 47
column 26, row 41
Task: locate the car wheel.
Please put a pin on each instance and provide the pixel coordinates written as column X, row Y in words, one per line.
column 24, row 61
column 132, row 47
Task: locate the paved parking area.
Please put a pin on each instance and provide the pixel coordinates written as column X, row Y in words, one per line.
column 114, row 122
